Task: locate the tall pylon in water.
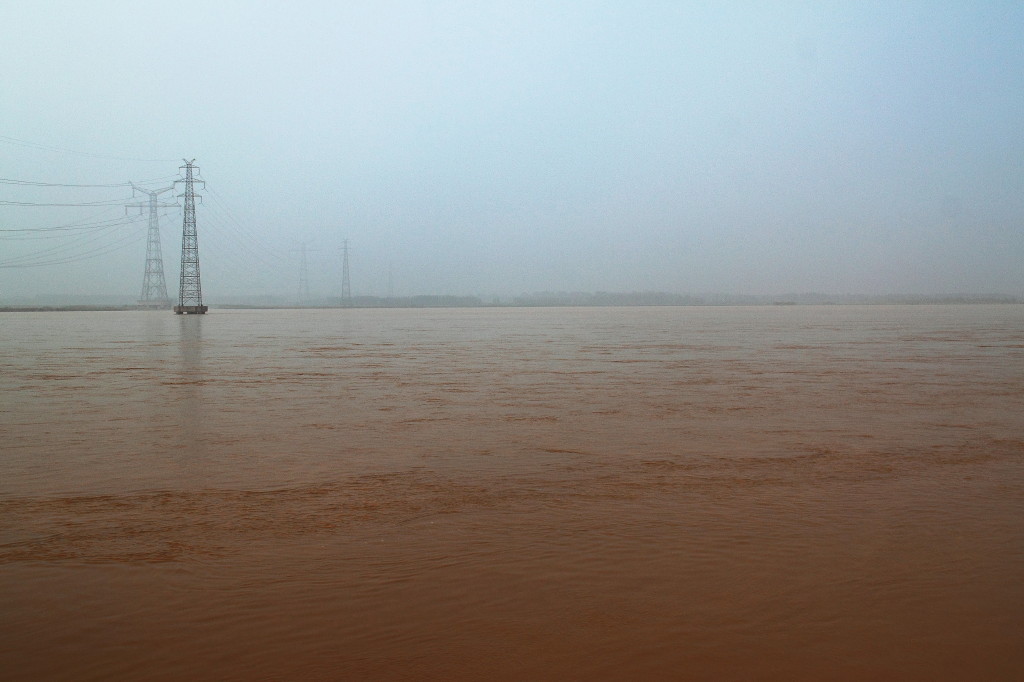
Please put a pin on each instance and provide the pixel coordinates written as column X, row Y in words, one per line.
column 346, row 288
column 190, row 290
column 154, row 287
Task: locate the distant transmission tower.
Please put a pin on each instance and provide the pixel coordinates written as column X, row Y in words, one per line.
column 304, row 277
column 346, row 287
column 154, row 287
column 190, row 291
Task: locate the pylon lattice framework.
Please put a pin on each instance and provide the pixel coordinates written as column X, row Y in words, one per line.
column 346, row 288
column 190, row 290
column 154, row 286
column 304, row 278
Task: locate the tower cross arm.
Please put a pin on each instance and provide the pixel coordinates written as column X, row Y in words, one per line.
column 151, row 192
column 146, row 204
column 141, row 206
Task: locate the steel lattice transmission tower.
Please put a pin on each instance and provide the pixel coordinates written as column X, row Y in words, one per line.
column 154, row 287
column 190, row 290
column 304, row 278
column 346, row 288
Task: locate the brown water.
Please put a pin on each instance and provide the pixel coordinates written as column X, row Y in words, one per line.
column 520, row 494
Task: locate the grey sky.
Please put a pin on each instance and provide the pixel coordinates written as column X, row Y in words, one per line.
column 506, row 147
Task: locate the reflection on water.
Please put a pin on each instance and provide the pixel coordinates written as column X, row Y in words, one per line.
column 514, row 494
column 190, row 345
column 188, row 389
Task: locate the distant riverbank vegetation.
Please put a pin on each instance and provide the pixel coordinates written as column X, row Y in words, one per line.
column 638, row 298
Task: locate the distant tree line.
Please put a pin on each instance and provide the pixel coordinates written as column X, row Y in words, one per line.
column 604, row 298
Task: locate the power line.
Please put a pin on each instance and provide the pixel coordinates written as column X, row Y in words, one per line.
column 240, row 227
column 64, row 233
column 79, row 256
column 244, row 242
column 30, row 183
column 61, row 150
column 71, row 245
column 104, row 202
column 89, row 255
column 82, row 225
column 33, row 183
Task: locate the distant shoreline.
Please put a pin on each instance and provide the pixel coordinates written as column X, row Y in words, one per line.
column 546, row 304
column 66, row 308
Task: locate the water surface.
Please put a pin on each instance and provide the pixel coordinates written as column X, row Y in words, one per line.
column 620, row 493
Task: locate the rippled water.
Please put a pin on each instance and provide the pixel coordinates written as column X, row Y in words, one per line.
column 623, row 493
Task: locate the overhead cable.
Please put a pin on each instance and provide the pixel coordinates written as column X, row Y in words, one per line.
column 79, row 225
column 53, row 256
column 48, row 148
column 104, row 202
column 34, row 183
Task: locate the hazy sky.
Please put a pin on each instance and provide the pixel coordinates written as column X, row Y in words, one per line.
column 496, row 148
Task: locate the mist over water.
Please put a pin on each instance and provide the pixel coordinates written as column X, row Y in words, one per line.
column 800, row 492
column 501, row 149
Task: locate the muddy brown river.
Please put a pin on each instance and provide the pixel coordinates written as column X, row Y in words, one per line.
column 788, row 492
